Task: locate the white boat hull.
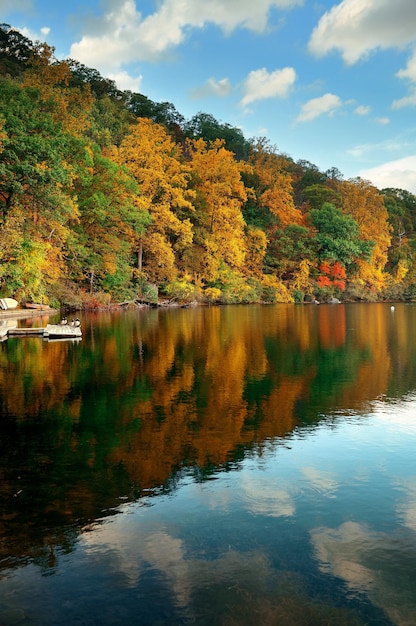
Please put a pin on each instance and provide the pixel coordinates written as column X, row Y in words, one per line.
column 5, row 327
column 8, row 303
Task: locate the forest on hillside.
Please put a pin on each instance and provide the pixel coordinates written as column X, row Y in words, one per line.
column 107, row 196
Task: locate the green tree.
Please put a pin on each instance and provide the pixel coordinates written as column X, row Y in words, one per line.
column 36, row 190
column 16, row 50
column 82, row 75
column 163, row 113
column 365, row 203
column 401, row 207
column 34, row 155
column 287, row 249
column 337, row 236
column 110, row 224
column 205, row 126
column 318, row 194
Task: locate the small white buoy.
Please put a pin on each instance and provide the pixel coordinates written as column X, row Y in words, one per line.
column 392, row 308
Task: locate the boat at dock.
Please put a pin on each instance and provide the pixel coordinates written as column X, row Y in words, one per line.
column 37, row 306
column 5, row 327
column 8, row 303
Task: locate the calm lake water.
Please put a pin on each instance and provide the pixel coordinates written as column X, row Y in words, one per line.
column 218, row 466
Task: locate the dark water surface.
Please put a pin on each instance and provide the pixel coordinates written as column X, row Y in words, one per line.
column 218, row 466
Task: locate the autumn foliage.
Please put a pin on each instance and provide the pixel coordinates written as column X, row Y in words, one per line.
column 106, row 193
column 332, row 276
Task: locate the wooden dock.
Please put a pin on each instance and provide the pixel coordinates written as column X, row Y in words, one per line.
column 56, row 331
column 50, row 331
column 14, row 332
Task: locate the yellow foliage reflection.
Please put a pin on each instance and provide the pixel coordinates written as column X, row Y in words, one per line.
column 156, row 391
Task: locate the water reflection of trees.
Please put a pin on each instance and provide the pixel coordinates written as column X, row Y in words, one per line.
column 145, row 395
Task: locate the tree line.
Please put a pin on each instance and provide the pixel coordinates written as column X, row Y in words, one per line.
column 106, row 196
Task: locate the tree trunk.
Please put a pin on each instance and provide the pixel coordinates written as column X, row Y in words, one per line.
column 140, row 257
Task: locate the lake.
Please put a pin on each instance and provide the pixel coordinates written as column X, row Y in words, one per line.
column 213, row 466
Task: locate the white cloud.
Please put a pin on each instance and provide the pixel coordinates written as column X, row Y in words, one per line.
column 260, row 84
column 219, row 88
column 407, row 509
column 410, row 71
column 367, row 561
column 356, row 27
column 409, row 100
column 30, row 34
column 124, row 81
column 382, row 120
column 338, row 554
column 264, row 498
column 394, row 146
column 362, row 110
column 403, row 418
column 262, row 131
column 328, row 103
column 122, row 35
column 323, row 482
column 400, row 174
column 113, row 40
column 229, row 15
column 128, row 545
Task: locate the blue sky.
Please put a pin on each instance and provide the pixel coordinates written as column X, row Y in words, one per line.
column 329, row 81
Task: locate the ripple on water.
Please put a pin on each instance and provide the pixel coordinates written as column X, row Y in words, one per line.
column 266, row 496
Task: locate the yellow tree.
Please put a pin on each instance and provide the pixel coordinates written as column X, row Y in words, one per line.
column 68, row 105
column 256, row 243
column 271, row 207
column 273, row 186
column 220, row 195
column 154, row 160
column 365, row 204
